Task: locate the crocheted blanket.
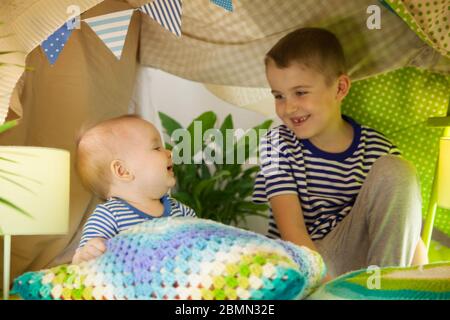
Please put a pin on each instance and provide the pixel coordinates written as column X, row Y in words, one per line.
column 428, row 282
column 182, row 258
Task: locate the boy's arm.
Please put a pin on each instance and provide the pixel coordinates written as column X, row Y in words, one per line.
column 288, row 215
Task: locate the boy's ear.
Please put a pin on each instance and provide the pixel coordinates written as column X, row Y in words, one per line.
column 344, row 84
column 120, row 171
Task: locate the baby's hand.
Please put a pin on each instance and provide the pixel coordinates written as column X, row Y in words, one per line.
column 92, row 249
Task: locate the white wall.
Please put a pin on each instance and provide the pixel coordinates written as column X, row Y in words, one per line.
column 184, row 100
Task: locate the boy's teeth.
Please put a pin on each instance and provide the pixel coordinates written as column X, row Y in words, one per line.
column 300, row 119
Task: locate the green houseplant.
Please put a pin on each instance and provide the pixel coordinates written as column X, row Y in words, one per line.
column 216, row 191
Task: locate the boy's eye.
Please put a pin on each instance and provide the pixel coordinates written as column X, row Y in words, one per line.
column 278, row 96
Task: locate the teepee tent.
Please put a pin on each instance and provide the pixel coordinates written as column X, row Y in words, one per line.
column 401, row 71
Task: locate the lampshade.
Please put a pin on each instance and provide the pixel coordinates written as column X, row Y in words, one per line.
column 34, row 190
column 444, row 173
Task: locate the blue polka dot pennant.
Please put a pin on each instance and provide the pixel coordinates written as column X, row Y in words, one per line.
column 54, row 44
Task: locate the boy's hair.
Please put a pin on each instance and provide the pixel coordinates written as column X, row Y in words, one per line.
column 313, row 47
column 96, row 147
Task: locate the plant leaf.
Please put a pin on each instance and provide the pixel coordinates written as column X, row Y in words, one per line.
column 11, row 205
column 227, row 124
column 17, row 184
column 8, row 125
column 6, row 159
column 169, row 124
column 207, row 120
column 20, row 176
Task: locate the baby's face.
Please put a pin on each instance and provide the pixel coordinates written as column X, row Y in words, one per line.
column 150, row 163
column 303, row 100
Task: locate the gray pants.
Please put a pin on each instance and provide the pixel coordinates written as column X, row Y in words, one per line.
column 384, row 225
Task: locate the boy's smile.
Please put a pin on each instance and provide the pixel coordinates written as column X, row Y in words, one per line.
column 298, row 121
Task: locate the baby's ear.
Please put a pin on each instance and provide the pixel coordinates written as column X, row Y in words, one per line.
column 120, row 171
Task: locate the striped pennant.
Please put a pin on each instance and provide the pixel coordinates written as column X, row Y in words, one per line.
column 112, row 29
column 226, row 4
column 167, row 13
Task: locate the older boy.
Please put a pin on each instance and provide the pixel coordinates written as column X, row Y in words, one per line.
column 335, row 186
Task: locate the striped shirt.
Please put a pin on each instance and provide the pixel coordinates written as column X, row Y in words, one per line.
column 116, row 215
column 327, row 184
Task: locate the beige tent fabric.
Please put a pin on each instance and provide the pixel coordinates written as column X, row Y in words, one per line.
column 223, row 48
column 87, row 84
column 255, row 99
column 226, row 48
column 25, row 23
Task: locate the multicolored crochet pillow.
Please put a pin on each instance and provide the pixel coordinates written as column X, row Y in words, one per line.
column 428, row 282
column 182, row 258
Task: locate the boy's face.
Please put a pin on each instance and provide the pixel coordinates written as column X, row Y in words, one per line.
column 150, row 163
column 304, row 101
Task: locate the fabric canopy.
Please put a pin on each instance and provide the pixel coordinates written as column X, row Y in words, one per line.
column 224, row 50
column 227, row 48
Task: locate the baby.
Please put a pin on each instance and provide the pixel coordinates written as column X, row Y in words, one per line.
column 124, row 162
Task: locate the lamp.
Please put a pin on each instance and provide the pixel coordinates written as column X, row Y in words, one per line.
column 440, row 193
column 34, row 195
column 444, row 173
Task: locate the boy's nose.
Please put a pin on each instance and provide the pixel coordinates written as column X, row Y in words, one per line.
column 291, row 107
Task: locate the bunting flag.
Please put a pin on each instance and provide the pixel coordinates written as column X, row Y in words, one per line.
column 112, row 29
column 226, row 4
column 167, row 13
column 54, row 44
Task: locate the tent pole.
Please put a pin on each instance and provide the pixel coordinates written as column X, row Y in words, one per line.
column 432, row 207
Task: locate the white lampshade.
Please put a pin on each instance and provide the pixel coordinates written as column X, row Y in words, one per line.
column 37, row 181
column 444, row 173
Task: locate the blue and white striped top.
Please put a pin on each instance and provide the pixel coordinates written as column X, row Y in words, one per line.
column 327, row 184
column 116, row 215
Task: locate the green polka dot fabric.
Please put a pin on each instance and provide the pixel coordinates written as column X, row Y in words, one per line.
column 398, row 104
column 430, row 20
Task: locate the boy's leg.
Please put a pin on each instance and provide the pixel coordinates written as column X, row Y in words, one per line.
column 383, row 227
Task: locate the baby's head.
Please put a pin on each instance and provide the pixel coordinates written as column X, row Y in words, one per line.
column 124, row 157
column 306, row 71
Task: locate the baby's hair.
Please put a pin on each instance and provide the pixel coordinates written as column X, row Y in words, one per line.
column 95, row 149
column 315, row 48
